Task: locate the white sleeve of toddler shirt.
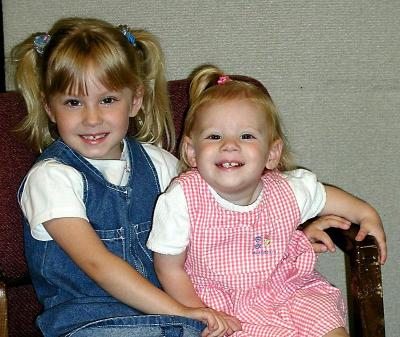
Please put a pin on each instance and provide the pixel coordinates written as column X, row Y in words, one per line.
column 309, row 192
column 170, row 230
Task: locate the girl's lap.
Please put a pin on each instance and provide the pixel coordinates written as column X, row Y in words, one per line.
column 139, row 326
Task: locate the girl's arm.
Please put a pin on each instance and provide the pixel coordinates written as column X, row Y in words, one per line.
column 81, row 243
column 343, row 204
column 174, row 279
column 176, row 282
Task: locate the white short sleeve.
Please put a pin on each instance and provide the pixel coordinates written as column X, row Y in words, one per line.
column 309, row 192
column 52, row 190
column 164, row 162
column 170, row 231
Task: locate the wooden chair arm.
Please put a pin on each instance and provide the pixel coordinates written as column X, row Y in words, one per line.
column 3, row 309
column 364, row 283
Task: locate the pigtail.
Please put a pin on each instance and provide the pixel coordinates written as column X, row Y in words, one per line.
column 154, row 122
column 28, row 82
column 203, row 78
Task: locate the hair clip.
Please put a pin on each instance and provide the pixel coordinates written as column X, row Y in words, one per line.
column 223, row 79
column 125, row 30
column 40, row 42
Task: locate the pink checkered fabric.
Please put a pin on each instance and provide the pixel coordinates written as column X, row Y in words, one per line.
column 256, row 266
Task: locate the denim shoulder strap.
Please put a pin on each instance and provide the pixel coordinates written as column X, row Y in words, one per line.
column 143, row 181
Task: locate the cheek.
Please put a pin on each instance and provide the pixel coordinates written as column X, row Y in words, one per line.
column 259, row 154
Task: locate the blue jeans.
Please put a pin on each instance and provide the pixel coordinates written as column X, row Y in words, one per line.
column 140, row 326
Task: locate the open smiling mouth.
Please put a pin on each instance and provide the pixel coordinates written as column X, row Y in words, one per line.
column 229, row 164
column 94, row 137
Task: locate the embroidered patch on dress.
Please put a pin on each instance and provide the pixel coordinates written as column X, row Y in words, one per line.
column 261, row 245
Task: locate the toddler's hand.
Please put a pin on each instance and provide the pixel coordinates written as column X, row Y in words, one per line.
column 219, row 324
column 374, row 227
column 319, row 239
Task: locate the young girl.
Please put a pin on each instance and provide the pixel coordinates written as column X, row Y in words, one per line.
column 235, row 239
column 88, row 200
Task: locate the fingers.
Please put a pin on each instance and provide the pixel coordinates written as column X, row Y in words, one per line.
column 329, row 221
column 210, row 320
column 219, row 324
column 380, row 238
column 324, row 242
column 381, row 241
column 319, row 248
column 362, row 233
column 233, row 324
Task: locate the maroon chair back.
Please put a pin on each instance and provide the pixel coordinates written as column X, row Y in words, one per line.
column 15, row 160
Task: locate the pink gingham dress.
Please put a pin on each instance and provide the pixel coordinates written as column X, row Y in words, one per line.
column 256, row 266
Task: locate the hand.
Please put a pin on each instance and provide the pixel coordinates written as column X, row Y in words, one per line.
column 233, row 323
column 374, row 227
column 319, row 239
column 219, row 324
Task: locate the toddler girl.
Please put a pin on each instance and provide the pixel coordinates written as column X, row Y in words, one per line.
column 234, row 245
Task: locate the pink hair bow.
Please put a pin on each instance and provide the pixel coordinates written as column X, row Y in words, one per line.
column 223, row 79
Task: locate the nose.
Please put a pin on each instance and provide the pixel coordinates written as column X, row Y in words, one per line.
column 230, row 144
column 91, row 116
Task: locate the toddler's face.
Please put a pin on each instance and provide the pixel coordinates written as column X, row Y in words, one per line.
column 230, row 147
column 95, row 124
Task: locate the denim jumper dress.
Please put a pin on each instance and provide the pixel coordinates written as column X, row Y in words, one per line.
column 76, row 306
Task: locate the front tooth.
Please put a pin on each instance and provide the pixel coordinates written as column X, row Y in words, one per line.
column 94, row 137
column 229, row 165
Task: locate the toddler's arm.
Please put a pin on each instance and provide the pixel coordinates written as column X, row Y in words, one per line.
column 174, row 279
column 343, row 204
column 176, row 282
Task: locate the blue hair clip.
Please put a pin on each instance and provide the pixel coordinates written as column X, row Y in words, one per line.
column 125, row 30
column 40, row 42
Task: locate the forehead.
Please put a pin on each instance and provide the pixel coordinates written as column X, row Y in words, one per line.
column 232, row 111
column 90, row 80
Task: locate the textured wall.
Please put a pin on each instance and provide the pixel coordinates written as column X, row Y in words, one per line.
column 332, row 67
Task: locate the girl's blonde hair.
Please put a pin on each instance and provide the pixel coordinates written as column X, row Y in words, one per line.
column 209, row 84
column 75, row 45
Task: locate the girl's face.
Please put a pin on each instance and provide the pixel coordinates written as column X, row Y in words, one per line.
column 229, row 145
column 94, row 125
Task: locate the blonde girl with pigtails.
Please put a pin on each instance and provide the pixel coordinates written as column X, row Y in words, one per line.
column 88, row 200
column 143, row 66
column 234, row 244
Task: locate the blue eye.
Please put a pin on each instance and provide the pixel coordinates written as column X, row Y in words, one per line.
column 72, row 102
column 247, row 136
column 214, row 137
column 108, row 100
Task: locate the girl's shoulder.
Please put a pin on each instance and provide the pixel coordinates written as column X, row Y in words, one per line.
column 190, row 177
column 160, row 155
column 302, row 182
column 52, row 169
column 299, row 176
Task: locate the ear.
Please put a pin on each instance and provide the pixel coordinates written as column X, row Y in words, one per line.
column 189, row 151
column 48, row 111
column 137, row 101
column 274, row 155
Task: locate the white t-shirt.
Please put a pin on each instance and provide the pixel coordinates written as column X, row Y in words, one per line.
column 54, row 190
column 171, row 224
